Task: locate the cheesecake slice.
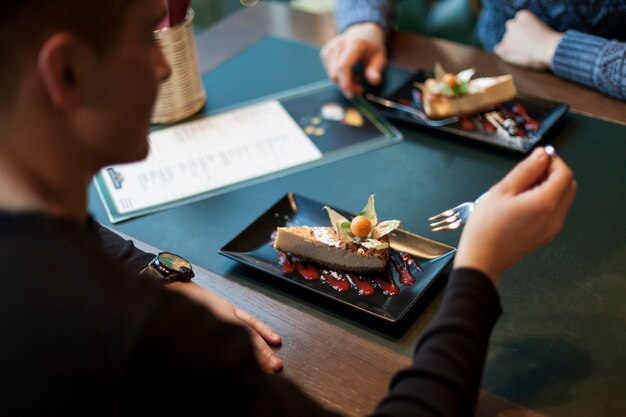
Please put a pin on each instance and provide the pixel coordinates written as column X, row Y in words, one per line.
column 322, row 245
column 481, row 94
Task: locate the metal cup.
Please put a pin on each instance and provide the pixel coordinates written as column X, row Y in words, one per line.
column 182, row 94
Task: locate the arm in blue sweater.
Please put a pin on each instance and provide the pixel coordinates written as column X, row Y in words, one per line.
column 592, row 61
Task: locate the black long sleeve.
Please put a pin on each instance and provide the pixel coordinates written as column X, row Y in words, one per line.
column 121, row 249
column 449, row 358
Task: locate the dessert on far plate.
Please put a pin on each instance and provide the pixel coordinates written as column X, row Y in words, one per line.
column 360, row 245
column 448, row 94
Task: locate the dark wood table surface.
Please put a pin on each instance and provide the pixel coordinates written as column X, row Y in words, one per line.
column 354, row 383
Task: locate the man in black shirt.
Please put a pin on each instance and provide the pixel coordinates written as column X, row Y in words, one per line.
column 81, row 334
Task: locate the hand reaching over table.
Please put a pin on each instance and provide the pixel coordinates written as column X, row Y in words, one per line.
column 522, row 212
column 528, row 42
column 263, row 337
column 361, row 43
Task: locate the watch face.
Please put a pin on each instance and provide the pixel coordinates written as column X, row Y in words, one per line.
column 174, row 262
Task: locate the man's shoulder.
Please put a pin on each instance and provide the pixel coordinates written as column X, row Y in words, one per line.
column 37, row 243
column 62, row 266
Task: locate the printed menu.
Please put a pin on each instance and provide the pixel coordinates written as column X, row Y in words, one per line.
column 215, row 153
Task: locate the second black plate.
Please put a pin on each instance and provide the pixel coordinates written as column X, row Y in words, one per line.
column 253, row 247
column 546, row 113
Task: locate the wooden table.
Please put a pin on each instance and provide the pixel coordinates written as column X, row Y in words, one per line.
column 353, row 384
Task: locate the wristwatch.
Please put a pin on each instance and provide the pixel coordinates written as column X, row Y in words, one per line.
column 168, row 267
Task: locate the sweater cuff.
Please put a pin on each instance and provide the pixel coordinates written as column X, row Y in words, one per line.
column 576, row 56
column 349, row 13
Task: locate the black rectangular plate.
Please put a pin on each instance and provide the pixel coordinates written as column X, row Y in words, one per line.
column 253, row 247
column 546, row 112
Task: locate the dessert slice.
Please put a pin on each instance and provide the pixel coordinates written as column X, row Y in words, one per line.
column 322, row 245
column 449, row 95
column 360, row 245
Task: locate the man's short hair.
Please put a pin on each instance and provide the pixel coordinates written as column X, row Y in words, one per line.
column 25, row 24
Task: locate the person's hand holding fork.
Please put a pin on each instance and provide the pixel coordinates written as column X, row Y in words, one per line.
column 522, row 212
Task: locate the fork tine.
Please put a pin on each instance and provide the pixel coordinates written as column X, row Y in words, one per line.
column 446, row 213
column 450, row 219
column 451, row 226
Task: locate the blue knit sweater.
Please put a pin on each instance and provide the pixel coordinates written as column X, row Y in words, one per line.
column 592, row 51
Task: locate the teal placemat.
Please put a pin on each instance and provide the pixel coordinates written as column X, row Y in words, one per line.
column 337, row 127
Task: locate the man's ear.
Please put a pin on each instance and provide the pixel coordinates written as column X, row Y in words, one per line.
column 62, row 63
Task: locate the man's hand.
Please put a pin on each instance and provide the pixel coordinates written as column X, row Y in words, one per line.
column 262, row 335
column 364, row 43
column 528, row 42
column 522, row 212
